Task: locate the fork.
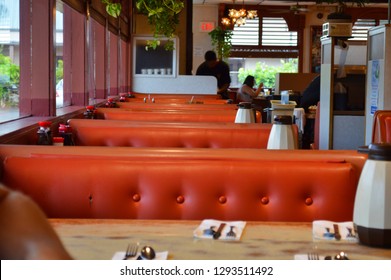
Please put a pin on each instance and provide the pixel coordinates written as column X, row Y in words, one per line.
column 131, row 251
column 231, row 233
column 313, row 256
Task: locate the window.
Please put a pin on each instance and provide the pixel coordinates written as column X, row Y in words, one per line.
column 262, row 54
column 275, row 32
column 248, row 34
column 361, row 26
column 59, row 57
column 360, row 29
column 9, row 60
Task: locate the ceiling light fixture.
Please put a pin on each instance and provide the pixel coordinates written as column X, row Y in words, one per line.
column 238, row 17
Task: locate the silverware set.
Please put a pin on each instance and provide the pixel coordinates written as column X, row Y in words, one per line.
column 131, row 251
column 146, row 252
column 315, row 257
column 231, row 233
column 216, row 234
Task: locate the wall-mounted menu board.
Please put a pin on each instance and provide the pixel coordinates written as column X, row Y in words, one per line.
column 149, row 62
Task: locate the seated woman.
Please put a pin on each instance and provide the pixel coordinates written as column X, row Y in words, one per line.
column 25, row 232
column 246, row 93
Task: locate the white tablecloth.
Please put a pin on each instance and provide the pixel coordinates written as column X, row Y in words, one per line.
column 299, row 114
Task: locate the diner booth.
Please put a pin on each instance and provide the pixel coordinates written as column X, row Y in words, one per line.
column 167, row 169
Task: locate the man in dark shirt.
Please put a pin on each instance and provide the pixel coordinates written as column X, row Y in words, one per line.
column 219, row 69
column 311, row 95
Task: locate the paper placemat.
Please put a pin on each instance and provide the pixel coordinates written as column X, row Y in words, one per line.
column 232, row 230
column 329, row 230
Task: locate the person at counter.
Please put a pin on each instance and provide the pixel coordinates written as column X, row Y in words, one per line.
column 219, row 69
column 246, row 93
column 311, row 95
column 25, row 232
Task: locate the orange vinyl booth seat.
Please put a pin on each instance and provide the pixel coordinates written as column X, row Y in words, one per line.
column 170, row 115
column 191, row 184
column 177, row 135
column 381, row 131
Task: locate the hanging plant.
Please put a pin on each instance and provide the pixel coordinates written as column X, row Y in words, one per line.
column 221, row 41
column 113, row 9
column 163, row 15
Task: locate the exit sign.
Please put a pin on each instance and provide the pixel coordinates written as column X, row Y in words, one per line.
column 207, row 26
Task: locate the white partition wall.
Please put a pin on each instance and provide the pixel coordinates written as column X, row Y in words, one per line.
column 378, row 86
column 342, row 118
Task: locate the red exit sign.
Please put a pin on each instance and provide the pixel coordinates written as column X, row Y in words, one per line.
column 207, row 26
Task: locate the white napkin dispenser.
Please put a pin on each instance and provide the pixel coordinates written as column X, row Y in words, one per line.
column 372, row 207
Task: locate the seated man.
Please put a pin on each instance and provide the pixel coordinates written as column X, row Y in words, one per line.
column 25, row 233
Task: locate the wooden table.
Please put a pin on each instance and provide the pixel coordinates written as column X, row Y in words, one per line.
column 100, row 239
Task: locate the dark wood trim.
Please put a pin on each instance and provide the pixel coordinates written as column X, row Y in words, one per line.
column 77, row 5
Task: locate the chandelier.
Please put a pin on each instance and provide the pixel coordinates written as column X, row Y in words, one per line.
column 238, row 17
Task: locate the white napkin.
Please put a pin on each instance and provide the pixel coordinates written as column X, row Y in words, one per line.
column 204, row 229
column 121, row 255
column 324, row 230
column 305, row 257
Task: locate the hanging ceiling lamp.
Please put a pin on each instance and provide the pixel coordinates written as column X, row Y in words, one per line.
column 238, row 17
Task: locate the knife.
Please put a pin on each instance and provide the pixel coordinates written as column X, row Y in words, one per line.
column 217, row 234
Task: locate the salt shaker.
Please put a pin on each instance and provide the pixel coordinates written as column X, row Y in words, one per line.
column 65, row 131
column 90, row 112
column 44, row 133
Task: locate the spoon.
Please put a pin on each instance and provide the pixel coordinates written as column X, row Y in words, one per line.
column 341, row 256
column 147, row 253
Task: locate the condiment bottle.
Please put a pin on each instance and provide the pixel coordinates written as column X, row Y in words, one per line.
column 111, row 103
column 65, row 131
column 44, row 133
column 122, row 97
column 90, row 112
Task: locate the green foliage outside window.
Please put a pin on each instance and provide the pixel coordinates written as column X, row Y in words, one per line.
column 59, row 70
column 9, row 79
column 267, row 74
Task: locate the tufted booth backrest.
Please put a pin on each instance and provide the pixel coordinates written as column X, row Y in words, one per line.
column 158, row 188
column 159, row 100
column 381, row 131
column 176, row 106
column 169, row 115
column 179, row 135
